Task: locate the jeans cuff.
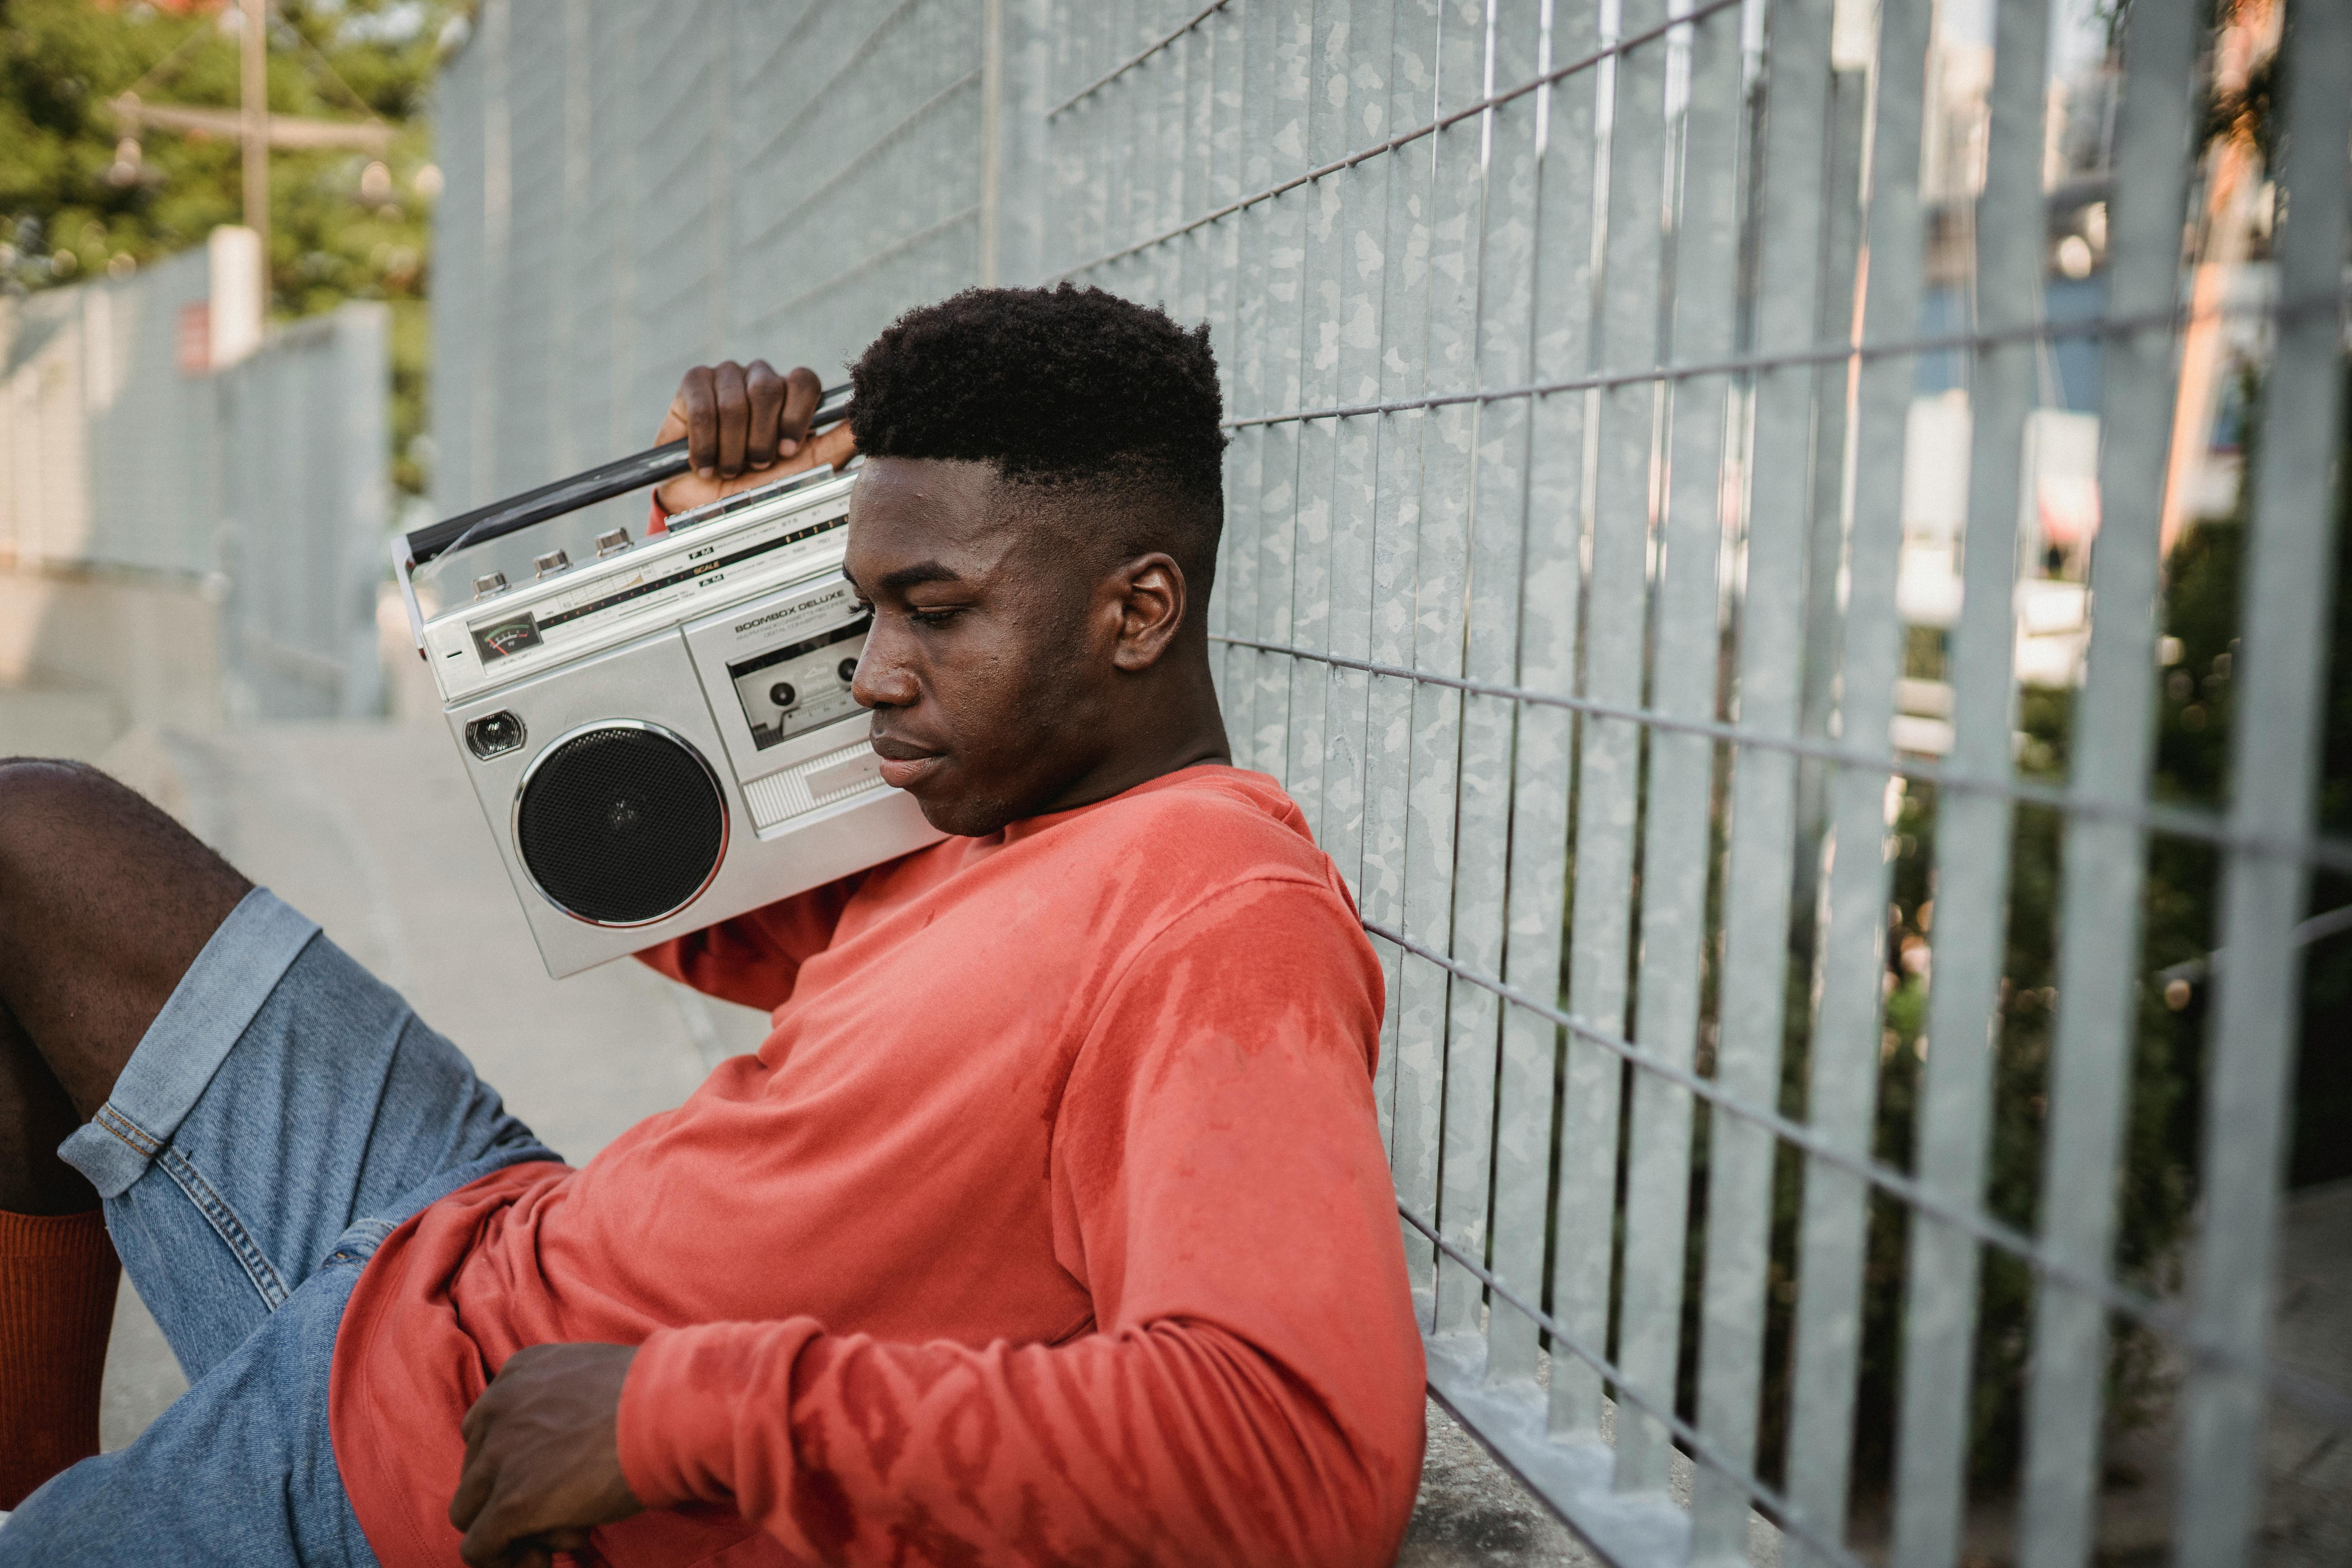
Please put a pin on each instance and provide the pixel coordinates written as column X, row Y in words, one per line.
column 206, row 1016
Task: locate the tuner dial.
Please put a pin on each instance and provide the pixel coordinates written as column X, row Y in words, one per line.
column 553, row 561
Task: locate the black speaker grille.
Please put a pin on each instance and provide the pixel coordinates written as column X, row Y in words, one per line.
column 621, row 825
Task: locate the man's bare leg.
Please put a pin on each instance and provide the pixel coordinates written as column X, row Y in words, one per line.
column 104, row 903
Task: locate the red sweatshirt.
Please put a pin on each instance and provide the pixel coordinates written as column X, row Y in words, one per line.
column 1050, row 1224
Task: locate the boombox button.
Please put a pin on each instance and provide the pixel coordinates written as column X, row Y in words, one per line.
column 855, row 769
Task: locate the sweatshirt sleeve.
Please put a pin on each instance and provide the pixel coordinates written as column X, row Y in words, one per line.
column 755, row 959
column 1252, row 1390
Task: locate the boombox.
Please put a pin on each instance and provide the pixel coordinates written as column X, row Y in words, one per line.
column 658, row 725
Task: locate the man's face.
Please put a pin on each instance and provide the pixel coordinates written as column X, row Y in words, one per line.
column 980, row 668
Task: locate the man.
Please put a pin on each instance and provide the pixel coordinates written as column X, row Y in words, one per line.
column 1049, row 1225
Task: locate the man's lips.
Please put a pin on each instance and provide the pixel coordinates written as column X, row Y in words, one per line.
column 903, row 763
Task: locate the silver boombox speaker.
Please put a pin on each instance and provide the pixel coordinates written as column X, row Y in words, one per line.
column 658, row 727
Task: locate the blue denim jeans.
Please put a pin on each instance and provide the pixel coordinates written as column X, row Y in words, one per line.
column 285, row 1112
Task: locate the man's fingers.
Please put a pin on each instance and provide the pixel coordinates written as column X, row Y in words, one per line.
column 475, row 1484
column 803, row 393
column 734, row 417
column 699, row 392
column 765, row 390
column 485, row 1545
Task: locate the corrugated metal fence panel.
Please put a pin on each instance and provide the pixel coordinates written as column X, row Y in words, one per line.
column 858, row 179
column 1593, row 577
column 635, row 190
column 460, row 279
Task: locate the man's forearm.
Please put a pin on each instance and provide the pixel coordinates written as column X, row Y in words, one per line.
column 1175, row 1442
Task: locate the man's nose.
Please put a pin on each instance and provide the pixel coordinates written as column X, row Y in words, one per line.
column 882, row 679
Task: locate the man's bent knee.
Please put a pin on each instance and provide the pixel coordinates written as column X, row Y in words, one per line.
column 104, row 903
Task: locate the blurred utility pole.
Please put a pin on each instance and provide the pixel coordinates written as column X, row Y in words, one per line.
column 252, row 123
column 253, row 101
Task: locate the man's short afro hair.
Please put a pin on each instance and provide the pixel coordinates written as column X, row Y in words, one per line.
column 1056, row 386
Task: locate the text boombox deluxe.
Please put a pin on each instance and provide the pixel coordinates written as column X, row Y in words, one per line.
column 660, row 733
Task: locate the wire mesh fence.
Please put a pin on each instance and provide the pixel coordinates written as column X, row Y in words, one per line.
column 1757, row 546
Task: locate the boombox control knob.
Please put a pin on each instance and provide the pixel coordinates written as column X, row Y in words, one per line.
column 489, row 583
column 610, row 544
column 848, row 670
column 553, row 561
column 783, row 695
column 494, row 735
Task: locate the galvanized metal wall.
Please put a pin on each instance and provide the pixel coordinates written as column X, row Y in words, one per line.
column 633, row 190
column 267, row 480
column 1615, row 390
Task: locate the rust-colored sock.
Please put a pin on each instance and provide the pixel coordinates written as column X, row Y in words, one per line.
column 58, row 1275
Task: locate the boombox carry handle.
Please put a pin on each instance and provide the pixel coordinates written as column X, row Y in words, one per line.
column 614, row 479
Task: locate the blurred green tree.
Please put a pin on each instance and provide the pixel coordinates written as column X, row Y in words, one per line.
column 78, row 199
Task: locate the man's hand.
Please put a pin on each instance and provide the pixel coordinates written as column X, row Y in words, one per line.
column 745, row 426
column 542, row 1456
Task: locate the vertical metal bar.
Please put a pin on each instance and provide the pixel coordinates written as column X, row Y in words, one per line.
column 718, row 123
column 1182, row 147
column 2099, row 944
column 1972, row 828
column 1176, row 192
column 1435, row 743
column 1222, row 241
column 1505, row 310
column 1842, row 1078
column 1286, row 287
column 1415, row 1087
column 629, row 121
column 1146, row 86
column 1145, row 273
column 1097, row 126
column 1849, row 132
column 458, row 303
column 498, row 216
column 2274, row 759
column 1358, row 275
column 1311, row 596
column 1193, row 136
column 1068, row 146
column 1549, row 602
column 1246, row 456
column 991, row 142
column 1119, row 99
column 1675, row 830
column 571, row 237
column 1610, row 765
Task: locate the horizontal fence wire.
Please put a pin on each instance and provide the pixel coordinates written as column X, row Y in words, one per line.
column 1120, row 69
column 2305, row 1393
column 2317, row 307
column 1698, row 1447
column 2178, row 822
column 1471, row 110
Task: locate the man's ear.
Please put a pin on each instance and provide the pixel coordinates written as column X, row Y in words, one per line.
column 1150, row 593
